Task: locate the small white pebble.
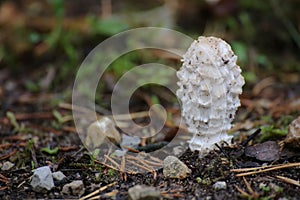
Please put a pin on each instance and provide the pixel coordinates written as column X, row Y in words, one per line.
column 74, row 188
column 262, row 185
column 58, row 175
column 220, row 185
column 174, row 168
column 7, row 166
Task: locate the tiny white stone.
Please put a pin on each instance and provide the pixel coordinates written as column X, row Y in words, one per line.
column 99, row 131
column 74, row 188
column 220, row 185
column 140, row 192
column 58, row 175
column 130, row 141
column 7, row 166
column 174, row 168
column 262, row 185
column 97, row 175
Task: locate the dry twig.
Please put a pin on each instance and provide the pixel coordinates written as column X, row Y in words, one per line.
column 289, row 180
column 245, row 194
column 3, row 179
column 123, row 168
column 249, row 188
column 113, row 162
column 97, row 191
column 13, row 152
column 109, row 166
column 256, row 170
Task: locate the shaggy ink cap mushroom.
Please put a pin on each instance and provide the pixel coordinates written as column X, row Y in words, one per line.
column 210, row 83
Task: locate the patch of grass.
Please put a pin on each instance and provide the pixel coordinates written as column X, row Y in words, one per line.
column 285, row 120
column 111, row 173
column 28, row 151
column 87, row 166
column 50, row 151
column 32, row 86
column 60, row 119
column 266, row 188
column 94, row 156
column 17, row 127
column 106, row 27
column 205, row 181
column 271, row 132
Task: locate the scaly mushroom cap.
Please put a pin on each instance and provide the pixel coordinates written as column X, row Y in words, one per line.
column 209, row 83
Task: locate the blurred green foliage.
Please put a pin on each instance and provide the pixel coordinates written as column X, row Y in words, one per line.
column 275, row 128
column 106, row 27
column 263, row 34
column 50, row 151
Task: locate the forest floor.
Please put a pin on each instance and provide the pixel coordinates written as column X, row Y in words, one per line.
column 33, row 136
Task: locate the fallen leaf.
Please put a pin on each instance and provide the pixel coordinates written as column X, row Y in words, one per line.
column 267, row 151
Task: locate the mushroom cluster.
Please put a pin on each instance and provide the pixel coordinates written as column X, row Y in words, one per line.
column 210, row 83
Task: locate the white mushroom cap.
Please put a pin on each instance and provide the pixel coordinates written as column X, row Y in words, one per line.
column 209, row 83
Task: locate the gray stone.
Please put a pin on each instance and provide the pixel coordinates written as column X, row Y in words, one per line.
column 7, row 166
column 262, row 185
column 42, row 180
column 220, row 185
column 130, row 141
column 58, row 175
column 143, row 192
column 178, row 150
column 174, row 168
column 101, row 132
column 283, row 198
column 127, row 141
column 293, row 136
column 120, row 153
column 75, row 188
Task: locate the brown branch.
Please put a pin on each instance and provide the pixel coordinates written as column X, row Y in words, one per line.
column 270, row 168
column 289, row 180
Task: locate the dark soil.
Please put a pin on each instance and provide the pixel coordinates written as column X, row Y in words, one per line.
column 76, row 164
